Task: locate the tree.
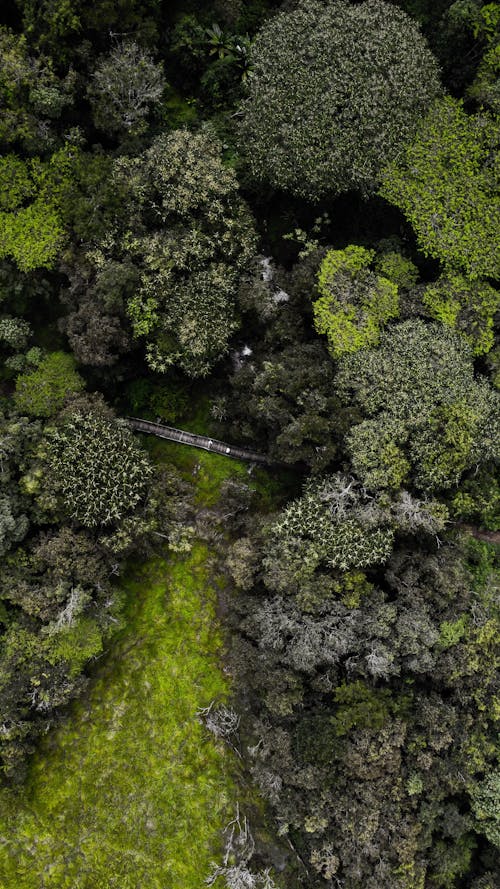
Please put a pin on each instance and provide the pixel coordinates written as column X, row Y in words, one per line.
column 57, row 27
column 190, row 236
column 335, row 92
column 445, row 183
column 43, row 391
column 427, row 418
column 17, row 436
column 354, row 302
column 15, row 332
column 32, row 229
column 469, row 307
column 126, row 84
column 286, row 400
column 32, row 96
column 96, row 469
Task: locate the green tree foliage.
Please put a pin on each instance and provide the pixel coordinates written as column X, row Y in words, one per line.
column 31, row 94
column 427, row 418
column 125, row 85
column 446, row 185
column 375, row 707
column 190, row 235
column 15, row 332
column 32, row 229
column 485, row 22
column 286, row 401
column 469, row 307
column 59, row 606
column 354, row 302
column 334, row 526
column 486, row 806
column 42, row 392
column 57, row 26
column 97, row 469
column 391, row 263
column 17, row 436
column 335, row 92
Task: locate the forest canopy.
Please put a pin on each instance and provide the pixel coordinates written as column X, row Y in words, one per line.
column 273, row 225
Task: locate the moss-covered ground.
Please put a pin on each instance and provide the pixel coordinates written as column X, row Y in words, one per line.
column 130, row 792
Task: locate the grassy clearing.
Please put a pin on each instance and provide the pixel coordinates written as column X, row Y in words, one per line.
column 130, row 792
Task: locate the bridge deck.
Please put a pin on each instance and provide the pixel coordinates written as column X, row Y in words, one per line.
column 197, row 441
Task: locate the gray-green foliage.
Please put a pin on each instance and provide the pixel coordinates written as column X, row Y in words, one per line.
column 97, row 469
column 332, row 518
column 336, row 90
column 486, row 806
column 15, row 332
column 426, row 416
column 125, row 85
column 335, row 524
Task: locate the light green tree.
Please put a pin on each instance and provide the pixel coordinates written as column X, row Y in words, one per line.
column 354, row 301
column 446, row 184
column 43, row 391
column 32, row 228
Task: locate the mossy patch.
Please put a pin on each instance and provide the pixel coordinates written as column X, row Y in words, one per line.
column 130, row 791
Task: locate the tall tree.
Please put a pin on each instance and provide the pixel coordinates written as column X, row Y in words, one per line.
column 336, row 90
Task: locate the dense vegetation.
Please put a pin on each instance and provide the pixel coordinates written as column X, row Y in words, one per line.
column 276, row 223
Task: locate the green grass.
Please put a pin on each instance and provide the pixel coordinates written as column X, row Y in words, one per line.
column 130, row 792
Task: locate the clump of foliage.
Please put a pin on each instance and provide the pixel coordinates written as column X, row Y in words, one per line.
column 485, row 25
column 15, row 332
column 335, row 91
column 32, row 228
column 285, row 400
column 333, row 526
column 354, row 301
column 125, row 85
column 56, row 27
column 445, row 183
column 427, row 418
column 16, row 437
column 43, row 391
column 191, row 256
column 97, row 469
column 32, row 96
column 469, row 307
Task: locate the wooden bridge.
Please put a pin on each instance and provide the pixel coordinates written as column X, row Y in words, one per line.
column 197, row 441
